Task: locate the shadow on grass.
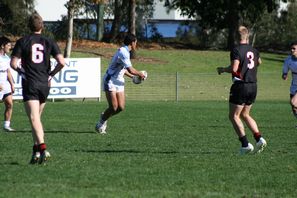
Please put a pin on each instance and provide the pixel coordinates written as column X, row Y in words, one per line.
column 129, row 151
column 54, row 131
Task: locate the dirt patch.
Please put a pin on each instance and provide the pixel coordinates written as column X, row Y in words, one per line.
column 101, row 49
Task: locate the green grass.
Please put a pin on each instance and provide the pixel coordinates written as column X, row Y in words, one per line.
column 154, row 149
column 157, row 148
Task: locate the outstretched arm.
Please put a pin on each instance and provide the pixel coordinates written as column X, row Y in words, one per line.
column 229, row 69
column 133, row 71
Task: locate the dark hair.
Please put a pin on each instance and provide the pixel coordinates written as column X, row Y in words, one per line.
column 35, row 22
column 293, row 43
column 4, row 40
column 129, row 39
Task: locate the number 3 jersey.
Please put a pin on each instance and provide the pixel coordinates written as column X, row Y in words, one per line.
column 249, row 61
column 35, row 51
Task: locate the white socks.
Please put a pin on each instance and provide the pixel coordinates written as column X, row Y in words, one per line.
column 6, row 124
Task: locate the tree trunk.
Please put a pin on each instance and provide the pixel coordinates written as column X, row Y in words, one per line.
column 132, row 17
column 100, row 21
column 132, row 26
column 116, row 23
column 233, row 23
column 68, row 47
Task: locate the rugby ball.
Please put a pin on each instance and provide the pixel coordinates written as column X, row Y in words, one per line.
column 137, row 79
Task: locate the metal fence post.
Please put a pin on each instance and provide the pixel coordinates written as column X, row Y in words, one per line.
column 176, row 86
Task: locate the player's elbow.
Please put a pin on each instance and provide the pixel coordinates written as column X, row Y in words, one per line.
column 61, row 61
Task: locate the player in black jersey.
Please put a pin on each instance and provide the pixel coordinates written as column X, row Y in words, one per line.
column 244, row 63
column 35, row 51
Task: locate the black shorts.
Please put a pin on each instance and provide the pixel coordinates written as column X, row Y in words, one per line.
column 6, row 95
column 35, row 91
column 243, row 93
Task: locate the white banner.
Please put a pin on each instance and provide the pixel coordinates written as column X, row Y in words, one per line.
column 80, row 78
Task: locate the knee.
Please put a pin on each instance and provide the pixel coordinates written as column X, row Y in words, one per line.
column 120, row 108
column 9, row 106
column 232, row 117
column 245, row 116
column 117, row 109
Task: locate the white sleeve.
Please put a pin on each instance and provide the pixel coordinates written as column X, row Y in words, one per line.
column 124, row 57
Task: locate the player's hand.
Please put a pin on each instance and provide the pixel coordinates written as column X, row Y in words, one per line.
column 285, row 77
column 1, row 87
column 143, row 77
column 220, row 70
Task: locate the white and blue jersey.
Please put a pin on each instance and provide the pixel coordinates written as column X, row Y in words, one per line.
column 4, row 67
column 290, row 64
column 114, row 77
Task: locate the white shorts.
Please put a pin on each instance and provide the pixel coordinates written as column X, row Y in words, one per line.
column 113, row 84
column 6, row 88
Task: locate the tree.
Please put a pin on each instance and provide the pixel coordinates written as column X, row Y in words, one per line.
column 98, row 6
column 72, row 7
column 119, row 8
column 131, row 24
column 100, row 20
column 217, row 15
column 132, row 16
column 14, row 15
column 277, row 30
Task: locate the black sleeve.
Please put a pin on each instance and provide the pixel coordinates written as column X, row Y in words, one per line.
column 234, row 54
column 55, row 49
column 17, row 50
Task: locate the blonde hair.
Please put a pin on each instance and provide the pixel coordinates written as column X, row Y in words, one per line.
column 35, row 22
column 243, row 33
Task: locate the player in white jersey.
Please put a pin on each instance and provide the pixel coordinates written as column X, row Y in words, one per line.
column 114, row 81
column 290, row 64
column 6, row 82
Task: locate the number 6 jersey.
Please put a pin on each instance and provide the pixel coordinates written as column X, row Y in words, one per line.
column 35, row 51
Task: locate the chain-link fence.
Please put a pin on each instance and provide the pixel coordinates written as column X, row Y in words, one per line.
column 200, row 86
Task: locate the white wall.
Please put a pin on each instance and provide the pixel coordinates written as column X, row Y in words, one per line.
column 51, row 10
column 161, row 13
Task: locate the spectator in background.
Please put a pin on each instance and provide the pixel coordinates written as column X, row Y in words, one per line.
column 290, row 64
column 6, row 82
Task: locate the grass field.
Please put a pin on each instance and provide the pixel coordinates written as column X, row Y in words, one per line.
column 185, row 149
column 156, row 148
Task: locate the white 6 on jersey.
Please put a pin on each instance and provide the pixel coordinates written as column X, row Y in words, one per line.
column 37, row 53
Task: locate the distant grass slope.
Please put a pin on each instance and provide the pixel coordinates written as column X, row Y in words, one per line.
column 198, row 79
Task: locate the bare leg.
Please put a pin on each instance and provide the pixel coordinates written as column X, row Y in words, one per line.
column 116, row 104
column 293, row 103
column 8, row 102
column 250, row 122
column 234, row 116
column 34, row 110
